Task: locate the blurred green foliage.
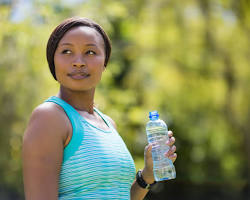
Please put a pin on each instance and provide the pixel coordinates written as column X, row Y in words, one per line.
column 187, row 59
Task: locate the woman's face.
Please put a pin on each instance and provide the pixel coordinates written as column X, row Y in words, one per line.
column 79, row 59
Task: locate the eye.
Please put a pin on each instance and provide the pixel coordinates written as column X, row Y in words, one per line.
column 66, row 51
column 90, row 52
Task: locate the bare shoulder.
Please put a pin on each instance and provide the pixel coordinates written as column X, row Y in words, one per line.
column 112, row 121
column 48, row 120
column 48, row 110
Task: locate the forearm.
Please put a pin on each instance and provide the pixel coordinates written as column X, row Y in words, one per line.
column 137, row 192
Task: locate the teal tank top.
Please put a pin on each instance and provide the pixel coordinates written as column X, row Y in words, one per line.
column 96, row 163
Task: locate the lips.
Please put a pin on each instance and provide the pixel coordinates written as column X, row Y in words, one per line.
column 78, row 75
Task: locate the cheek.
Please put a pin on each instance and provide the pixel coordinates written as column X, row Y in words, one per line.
column 100, row 60
column 96, row 64
column 56, row 61
column 57, row 58
column 59, row 63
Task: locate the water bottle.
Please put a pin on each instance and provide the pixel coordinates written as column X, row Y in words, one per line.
column 157, row 134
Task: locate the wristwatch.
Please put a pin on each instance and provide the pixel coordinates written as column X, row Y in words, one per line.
column 141, row 182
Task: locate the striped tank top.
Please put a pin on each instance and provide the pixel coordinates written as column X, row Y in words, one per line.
column 96, row 163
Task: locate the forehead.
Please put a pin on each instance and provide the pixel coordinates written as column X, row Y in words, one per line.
column 82, row 34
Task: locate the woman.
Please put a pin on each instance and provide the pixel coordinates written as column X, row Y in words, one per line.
column 71, row 150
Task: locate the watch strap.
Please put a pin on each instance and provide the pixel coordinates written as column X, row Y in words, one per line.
column 141, row 182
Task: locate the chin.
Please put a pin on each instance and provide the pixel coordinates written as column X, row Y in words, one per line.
column 78, row 88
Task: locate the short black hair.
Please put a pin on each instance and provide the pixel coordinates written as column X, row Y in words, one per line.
column 65, row 26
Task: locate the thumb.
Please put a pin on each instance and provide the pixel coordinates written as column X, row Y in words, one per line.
column 148, row 151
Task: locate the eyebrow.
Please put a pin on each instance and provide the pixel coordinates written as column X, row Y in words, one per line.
column 66, row 43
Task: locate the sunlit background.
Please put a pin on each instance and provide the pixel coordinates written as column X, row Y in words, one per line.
column 188, row 59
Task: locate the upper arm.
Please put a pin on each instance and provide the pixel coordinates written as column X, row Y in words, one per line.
column 43, row 152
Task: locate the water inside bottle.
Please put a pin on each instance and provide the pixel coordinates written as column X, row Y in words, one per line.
column 163, row 166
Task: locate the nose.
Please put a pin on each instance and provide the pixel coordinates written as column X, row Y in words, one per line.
column 78, row 61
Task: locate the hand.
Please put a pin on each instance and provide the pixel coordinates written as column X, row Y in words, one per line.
column 172, row 148
column 147, row 172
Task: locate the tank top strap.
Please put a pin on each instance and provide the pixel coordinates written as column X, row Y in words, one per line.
column 105, row 118
column 77, row 128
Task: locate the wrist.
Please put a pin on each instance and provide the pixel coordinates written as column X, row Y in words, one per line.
column 141, row 182
column 149, row 179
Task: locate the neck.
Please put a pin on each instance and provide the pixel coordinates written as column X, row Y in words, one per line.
column 82, row 101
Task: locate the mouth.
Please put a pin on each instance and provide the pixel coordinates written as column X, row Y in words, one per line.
column 78, row 75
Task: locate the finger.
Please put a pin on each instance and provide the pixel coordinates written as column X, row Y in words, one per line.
column 173, row 157
column 170, row 141
column 170, row 134
column 148, row 150
column 171, row 151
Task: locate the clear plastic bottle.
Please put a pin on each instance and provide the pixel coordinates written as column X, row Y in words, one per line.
column 157, row 133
